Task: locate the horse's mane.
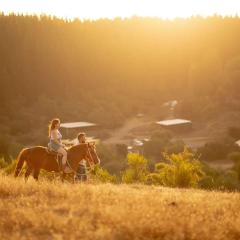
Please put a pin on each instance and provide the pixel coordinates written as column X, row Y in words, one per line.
column 77, row 147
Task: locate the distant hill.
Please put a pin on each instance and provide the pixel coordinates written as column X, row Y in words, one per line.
column 108, row 70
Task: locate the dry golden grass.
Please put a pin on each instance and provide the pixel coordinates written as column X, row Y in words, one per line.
column 48, row 210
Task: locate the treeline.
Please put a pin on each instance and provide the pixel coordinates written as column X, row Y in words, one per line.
column 105, row 71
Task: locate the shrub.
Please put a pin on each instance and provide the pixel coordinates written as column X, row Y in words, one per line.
column 137, row 169
column 4, row 148
column 228, row 181
column 9, row 169
column 175, row 147
column 207, row 182
column 102, row 175
column 217, row 150
column 236, row 168
column 183, row 170
column 234, row 156
column 3, row 163
column 154, row 178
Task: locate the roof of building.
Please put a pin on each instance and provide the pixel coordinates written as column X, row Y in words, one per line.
column 238, row 142
column 77, row 125
column 171, row 122
column 172, row 103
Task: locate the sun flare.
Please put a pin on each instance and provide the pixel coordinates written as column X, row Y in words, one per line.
column 95, row 9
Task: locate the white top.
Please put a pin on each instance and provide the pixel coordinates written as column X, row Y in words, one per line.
column 55, row 135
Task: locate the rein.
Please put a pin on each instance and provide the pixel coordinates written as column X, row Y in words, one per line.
column 88, row 156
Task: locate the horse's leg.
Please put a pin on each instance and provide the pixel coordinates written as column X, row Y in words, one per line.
column 63, row 175
column 36, row 173
column 27, row 173
column 74, row 178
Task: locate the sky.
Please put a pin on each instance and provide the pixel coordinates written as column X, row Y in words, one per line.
column 95, row 9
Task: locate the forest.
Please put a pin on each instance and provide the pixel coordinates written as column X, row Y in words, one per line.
column 106, row 71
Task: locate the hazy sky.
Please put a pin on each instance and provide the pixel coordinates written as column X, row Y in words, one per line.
column 94, row 9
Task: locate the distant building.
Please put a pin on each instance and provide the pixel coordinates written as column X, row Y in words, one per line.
column 176, row 124
column 171, row 104
column 72, row 128
column 77, row 125
column 238, row 143
column 139, row 115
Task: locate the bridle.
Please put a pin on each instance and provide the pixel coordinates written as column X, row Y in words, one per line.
column 89, row 158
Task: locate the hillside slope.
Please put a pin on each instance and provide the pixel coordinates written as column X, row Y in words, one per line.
column 47, row 210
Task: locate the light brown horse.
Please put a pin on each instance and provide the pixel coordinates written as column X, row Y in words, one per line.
column 38, row 158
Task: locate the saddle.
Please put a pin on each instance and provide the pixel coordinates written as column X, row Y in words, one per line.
column 56, row 155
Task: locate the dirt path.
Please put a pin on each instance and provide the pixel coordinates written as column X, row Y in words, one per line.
column 123, row 134
column 130, row 131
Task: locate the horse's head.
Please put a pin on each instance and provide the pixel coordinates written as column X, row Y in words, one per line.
column 93, row 154
column 84, row 151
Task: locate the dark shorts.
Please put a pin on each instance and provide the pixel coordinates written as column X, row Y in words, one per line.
column 53, row 145
column 81, row 173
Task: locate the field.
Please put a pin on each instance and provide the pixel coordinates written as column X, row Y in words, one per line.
column 52, row 210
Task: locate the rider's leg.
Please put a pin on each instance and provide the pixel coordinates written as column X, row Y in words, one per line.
column 64, row 153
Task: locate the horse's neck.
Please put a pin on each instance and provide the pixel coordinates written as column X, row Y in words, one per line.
column 76, row 153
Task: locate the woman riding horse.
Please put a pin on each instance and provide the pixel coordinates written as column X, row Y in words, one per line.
column 38, row 158
column 55, row 143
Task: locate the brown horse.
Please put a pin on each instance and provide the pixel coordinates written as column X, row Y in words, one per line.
column 38, row 158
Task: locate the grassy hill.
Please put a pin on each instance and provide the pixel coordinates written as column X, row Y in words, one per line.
column 52, row 210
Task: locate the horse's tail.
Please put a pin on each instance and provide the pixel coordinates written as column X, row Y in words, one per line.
column 22, row 156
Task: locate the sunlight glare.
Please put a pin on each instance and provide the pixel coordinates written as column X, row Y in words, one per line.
column 95, row 9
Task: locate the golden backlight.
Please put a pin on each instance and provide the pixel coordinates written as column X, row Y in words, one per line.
column 95, row 9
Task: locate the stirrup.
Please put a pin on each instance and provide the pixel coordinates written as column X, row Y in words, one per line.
column 66, row 169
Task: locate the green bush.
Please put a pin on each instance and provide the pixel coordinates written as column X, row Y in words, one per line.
column 175, row 147
column 9, row 169
column 102, row 175
column 154, row 178
column 236, row 168
column 3, row 163
column 137, row 170
column 227, row 181
column 234, row 156
column 182, row 170
column 217, row 150
column 219, row 179
column 4, row 148
column 207, row 182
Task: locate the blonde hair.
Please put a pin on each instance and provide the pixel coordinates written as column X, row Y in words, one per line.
column 52, row 125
